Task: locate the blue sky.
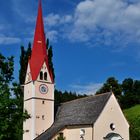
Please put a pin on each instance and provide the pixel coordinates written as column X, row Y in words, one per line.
column 91, row 39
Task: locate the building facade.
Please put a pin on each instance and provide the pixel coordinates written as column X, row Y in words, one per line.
column 92, row 118
column 39, row 86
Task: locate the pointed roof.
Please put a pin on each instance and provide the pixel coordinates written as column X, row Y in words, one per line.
column 39, row 54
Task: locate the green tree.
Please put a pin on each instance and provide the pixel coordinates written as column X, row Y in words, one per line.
column 6, row 76
column 127, row 98
column 131, row 93
column 111, row 84
column 60, row 137
column 61, row 97
column 127, row 85
column 136, row 90
column 11, row 116
column 19, row 115
column 24, row 57
column 50, row 57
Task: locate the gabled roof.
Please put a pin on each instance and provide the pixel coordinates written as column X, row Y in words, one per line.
column 84, row 111
column 39, row 54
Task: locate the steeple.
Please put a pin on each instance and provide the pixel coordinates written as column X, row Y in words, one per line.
column 39, row 85
column 39, row 53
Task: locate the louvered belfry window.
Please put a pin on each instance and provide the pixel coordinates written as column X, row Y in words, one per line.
column 41, row 75
column 45, row 76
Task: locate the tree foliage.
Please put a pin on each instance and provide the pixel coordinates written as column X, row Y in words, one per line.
column 127, row 92
column 111, row 84
column 6, row 72
column 24, row 57
column 131, row 93
column 50, row 57
column 11, row 114
column 61, row 97
column 60, row 137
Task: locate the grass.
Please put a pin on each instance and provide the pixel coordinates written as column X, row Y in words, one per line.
column 133, row 116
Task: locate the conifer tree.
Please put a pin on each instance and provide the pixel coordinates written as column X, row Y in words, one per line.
column 24, row 57
column 50, row 57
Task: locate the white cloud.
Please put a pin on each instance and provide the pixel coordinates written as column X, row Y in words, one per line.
column 57, row 20
column 88, row 89
column 52, row 35
column 52, row 19
column 6, row 40
column 99, row 19
column 113, row 23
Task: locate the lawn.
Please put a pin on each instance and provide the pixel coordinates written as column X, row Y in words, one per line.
column 133, row 116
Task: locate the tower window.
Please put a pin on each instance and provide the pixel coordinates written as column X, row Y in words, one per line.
column 26, row 131
column 43, row 102
column 41, row 75
column 43, row 117
column 45, row 76
column 37, row 117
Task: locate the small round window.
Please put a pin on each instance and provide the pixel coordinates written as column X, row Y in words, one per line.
column 112, row 126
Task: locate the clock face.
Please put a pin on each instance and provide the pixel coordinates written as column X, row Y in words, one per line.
column 43, row 89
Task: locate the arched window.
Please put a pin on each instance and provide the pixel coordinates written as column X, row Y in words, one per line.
column 45, row 76
column 113, row 136
column 41, row 75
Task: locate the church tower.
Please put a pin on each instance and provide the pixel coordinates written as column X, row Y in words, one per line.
column 39, row 86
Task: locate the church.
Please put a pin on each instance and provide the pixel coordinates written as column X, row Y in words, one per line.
column 97, row 117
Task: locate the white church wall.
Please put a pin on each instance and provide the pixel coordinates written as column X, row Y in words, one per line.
column 27, row 125
column 44, row 119
column 41, row 108
column 111, row 114
column 73, row 132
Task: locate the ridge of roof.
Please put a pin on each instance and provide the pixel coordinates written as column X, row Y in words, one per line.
column 83, row 98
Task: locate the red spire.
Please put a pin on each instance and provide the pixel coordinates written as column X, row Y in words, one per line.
column 39, row 53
